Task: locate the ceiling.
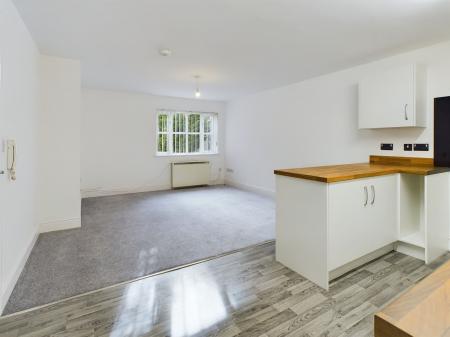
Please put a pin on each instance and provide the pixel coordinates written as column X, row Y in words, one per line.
column 237, row 47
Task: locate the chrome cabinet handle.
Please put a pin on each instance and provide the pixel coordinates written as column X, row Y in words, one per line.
column 373, row 194
column 367, row 196
column 406, row 112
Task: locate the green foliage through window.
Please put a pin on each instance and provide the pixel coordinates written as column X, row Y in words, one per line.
column 186, row 133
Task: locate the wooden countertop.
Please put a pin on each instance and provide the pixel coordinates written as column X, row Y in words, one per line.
column 378, row 166
column 423, row 311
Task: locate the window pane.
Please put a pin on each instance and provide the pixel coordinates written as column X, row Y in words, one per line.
column 207, row 143
column 179, row 143
column 179, row 122
column 193, row 143
column 162, row 123
column 186, row 132
column 194, row 123
column 162, row 143
column 208, row 124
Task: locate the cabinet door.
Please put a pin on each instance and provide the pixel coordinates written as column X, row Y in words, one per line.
column 361, row 222
column 388, row 99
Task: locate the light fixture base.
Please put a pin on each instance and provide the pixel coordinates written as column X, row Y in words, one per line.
column 165, row 52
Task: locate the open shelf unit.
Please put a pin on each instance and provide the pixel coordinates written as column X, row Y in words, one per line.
column 412, row 237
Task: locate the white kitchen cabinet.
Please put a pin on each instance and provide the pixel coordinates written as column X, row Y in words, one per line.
column 323, row 228
column 393, row 98
column 362, row 217
column 326, row 227
column 301, row 230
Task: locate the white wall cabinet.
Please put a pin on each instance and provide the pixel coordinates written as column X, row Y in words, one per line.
column 395, row 98
column 362, row 217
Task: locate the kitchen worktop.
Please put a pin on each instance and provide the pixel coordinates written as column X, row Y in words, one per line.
column 377, row 166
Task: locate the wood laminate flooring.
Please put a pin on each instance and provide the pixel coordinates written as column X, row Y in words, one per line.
column 243, row 294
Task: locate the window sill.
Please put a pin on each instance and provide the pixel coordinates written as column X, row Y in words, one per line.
column 187, row 154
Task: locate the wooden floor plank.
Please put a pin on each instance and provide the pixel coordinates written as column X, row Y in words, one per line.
column 244, row 294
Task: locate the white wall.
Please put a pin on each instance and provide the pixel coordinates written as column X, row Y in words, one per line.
column 118, row 142
column 314, row 122
column 19, row 108
column 59, row 155
column 40, row 99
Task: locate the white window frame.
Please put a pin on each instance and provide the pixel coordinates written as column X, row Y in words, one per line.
column 214, row 133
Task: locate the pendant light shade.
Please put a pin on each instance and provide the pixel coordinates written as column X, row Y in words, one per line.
column 197, row 89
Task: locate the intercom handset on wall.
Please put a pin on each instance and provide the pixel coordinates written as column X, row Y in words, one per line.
column 11, row 158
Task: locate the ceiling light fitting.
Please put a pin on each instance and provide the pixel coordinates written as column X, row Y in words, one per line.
column 197, row 89
column 165, row 52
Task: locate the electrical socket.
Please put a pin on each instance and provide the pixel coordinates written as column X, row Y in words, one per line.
column 421, row 147
column 387, row 146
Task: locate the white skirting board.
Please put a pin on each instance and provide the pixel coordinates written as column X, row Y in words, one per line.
column 10, row 284
column 59, row 225
column 100, row 192
column 250, row 188
column 103, row 192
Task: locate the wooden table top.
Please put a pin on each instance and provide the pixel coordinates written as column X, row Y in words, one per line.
column 423, row 311
column 378, row 166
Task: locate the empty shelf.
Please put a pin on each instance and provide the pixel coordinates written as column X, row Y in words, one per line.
column 416, row 239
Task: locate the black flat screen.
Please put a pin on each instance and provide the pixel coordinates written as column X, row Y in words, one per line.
column 442, row 131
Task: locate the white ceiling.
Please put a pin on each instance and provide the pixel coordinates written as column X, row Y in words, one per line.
column 236, row 46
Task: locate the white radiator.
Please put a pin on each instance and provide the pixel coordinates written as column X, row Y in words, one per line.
column 193, row 173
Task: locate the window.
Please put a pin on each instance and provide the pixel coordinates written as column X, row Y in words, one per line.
column 181, row 133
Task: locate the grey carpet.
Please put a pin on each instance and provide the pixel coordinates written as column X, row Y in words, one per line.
column 129, row 236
